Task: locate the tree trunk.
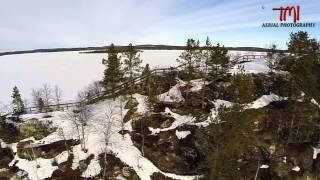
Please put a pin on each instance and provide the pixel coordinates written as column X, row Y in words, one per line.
column 257, row 172
column 83, row 137
column 105, row 166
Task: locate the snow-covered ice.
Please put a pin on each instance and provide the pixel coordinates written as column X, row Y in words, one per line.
column 52, row 68
column 255, row 66
column 64, row 69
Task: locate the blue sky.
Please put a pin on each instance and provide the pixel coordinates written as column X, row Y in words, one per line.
column 74, row 23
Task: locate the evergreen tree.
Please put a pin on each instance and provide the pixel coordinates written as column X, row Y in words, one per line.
column 190, row 58
column 147, row 74
column 132, row 65
column 17, row 103
column 272, row 58
column 242, row 88
column 112, row 73
column 151, row 88
column 206, row 53
column 146, row 71
column 40, row 104
column 219, row 61
column 304, row 63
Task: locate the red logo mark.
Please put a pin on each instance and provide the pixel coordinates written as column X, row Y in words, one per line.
column 283, row 13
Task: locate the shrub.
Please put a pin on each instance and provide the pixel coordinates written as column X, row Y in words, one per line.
column 8, row 132
column 37, row 130
column 242, row 89
column 6, row 155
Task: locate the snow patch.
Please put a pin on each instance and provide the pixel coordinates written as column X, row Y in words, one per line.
column 264, row 166
column 173, row 95
column 263, row 101
column 182, row 134
column 93, row 169
column 313, row 101
column 197, row 84
column 39, row 168
column 3, row 144
column 179, row 121
column 121, row 146
column 316, row 151
column 63, row 157
column 3, row 170
column 142, row 106
column 214, row 111
column 296, row 168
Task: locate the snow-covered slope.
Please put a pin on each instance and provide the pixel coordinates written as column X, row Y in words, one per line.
column 122, row 147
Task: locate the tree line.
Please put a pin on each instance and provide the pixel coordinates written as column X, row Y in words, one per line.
column 207, row 61
column 41, row 98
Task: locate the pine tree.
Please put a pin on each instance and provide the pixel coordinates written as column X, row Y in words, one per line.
column 147, row 74
column 132, row 65
column 152, row 96
column 17, row 103
column 40, row 104
column 146, row 70
column 219, row 61
column 150, row 87
column 190, row 58
column 304, row 63
column 112, row 73
column 242, row 88
column 272, row 58
column 206, row 53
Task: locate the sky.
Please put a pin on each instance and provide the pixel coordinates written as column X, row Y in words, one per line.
column 36, row 24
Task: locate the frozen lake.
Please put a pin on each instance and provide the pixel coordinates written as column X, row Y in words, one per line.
column 71, row 71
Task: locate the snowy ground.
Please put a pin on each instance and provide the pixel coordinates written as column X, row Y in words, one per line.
column 122, row 147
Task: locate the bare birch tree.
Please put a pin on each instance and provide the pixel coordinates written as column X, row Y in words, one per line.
column 105, row 127
column 84, row 115
column 46, row 95
column 95, row 88
column 4, row 109
column 73, row 117
column 57, row 93
column 62, row 135
column 122, row 100
column 36, row 94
